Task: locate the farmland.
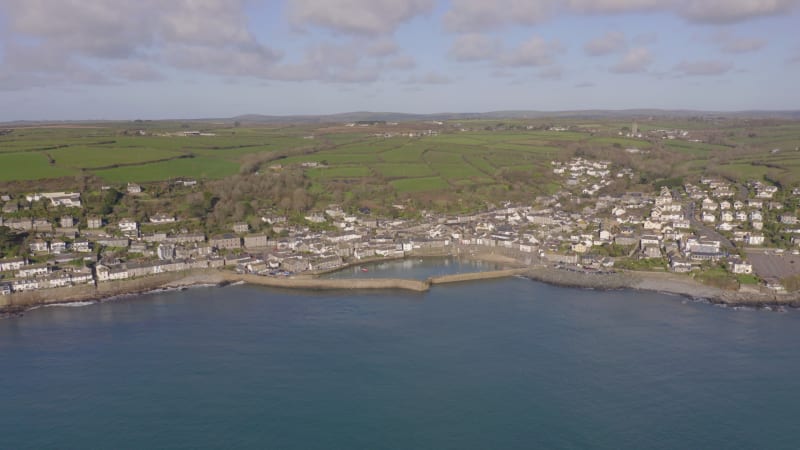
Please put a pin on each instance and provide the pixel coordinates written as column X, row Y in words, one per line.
column 488, row 159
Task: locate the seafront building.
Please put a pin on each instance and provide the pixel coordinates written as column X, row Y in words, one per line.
column 681, row 228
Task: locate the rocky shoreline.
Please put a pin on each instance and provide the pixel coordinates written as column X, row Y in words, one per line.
column 17, row 304
column 667, row 283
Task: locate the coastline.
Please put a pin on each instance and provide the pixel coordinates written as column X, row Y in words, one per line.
column 669, row 283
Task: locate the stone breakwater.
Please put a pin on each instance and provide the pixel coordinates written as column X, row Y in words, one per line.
column 17, row 303
column 302, row 282
column 322, row 284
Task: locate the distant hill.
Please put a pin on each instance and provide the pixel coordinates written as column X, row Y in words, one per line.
column 497, row 115
column 356, row 116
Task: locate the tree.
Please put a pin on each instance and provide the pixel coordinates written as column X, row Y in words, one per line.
column 10, row 241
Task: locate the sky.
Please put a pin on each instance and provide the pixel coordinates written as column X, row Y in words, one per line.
column 169, row 59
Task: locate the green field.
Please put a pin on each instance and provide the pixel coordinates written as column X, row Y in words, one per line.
column 404, row 170
column 338, row 172
column 201, row 168
column 94, row 157
column 29, row 166
column 493, row 158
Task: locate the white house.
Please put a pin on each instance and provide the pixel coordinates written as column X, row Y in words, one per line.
column 742, row 267
column 754, row 239
column 11, row 264
column 105, row 273
column 162, row 218
column 128, row 225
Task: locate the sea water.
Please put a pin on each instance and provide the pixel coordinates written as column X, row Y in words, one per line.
column 505, row 364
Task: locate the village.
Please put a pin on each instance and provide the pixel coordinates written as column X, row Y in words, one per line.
column 693, row 228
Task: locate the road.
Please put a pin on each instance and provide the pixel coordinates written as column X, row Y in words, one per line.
column 705, row 230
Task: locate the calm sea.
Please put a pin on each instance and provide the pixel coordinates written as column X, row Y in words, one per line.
column 508, row 364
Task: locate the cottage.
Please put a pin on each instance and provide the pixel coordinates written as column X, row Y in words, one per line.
column 25, row 284
column 186, row 238
column 155, row 237
column 166, row 252
column 134, row 188
column 680, row 265
column 326, row 262
column 240, row 227
column 651, row 252
column 58, row 246
column 754, row 239
column 119, row 242
column 33, row 271
column 160, row 218
column 19, row 224
column 726, row 216
column 67, row 222
column 94, row 222
column 39, row 246
column 42, row 225
column 106, row 273
column 226, row 241
column 11, row 264
column 255, row 241
column 741, row 267
column 82, row 246
column 128, row 226
column 295, row 264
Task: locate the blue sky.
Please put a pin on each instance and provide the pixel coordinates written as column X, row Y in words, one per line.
column 115, row 59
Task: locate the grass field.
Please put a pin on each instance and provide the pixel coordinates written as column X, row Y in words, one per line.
column 338, row 172
column 94, row 157
column 29, row 166
column 410, row 185
column 483, row 161
column 200, row 167
column 404, row 170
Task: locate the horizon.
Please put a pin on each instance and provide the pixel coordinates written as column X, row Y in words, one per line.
column 414, row 116
column 116, row 60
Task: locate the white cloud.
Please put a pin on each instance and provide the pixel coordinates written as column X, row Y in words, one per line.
column 480, row 15
column 90, row 35
column 636, row 60
column 611, row 6
column 736, row 44
column 610, row 42
column 383, row 48
column 55, row 42
column 365, row 17
column 533, row 52
column 474, row 47
column 703, row 67
column 730, row 11
column 136, row 71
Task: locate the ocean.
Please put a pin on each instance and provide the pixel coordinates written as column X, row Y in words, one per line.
column 504, row 364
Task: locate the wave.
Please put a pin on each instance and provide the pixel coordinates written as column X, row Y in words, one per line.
column 65, row 305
